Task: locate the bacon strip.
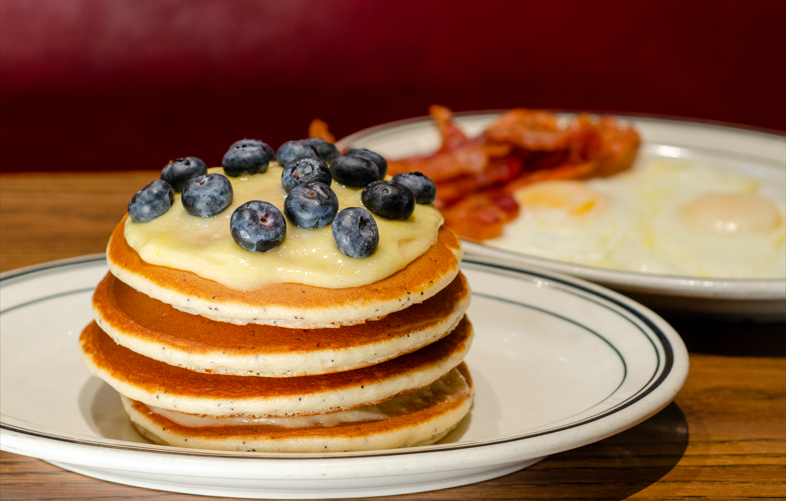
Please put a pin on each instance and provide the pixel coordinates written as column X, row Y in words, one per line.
column 532, row 130
column 476, row 177
column 481, row 216
column 319, row 129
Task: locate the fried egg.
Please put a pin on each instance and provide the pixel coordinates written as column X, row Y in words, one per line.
column 670, row 217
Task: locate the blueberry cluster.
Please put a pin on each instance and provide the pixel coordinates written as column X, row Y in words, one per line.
column 309, row 168
column 157, row 198
column 312, row 204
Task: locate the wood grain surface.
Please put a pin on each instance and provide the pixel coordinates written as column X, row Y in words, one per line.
column 724, row 437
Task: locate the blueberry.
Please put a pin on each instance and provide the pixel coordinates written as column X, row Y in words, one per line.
column 388, row 199
column 421, row 185
column 246, row 156
column 151, row 201
column 258, row 226
column 256, row 142
column 311, row 205
column 177, row 172
column 380, row 162
column 292, row 150
column 305, row 170
column 326, row 151
column 354, row 171
column 206, row 196
column 355, row 232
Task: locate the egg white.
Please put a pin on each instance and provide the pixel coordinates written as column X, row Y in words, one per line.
column 641, row 229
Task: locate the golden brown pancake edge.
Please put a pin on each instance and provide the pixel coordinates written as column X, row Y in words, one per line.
column 157, row 330
column 423, row 426
column 179, row 389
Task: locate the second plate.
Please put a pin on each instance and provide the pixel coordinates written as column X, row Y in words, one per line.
column 728, row 149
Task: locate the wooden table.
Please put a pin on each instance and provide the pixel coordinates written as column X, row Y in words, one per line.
column 724, row 437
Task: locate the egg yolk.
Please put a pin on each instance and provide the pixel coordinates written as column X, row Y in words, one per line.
column 730, row 213
column 571, row 198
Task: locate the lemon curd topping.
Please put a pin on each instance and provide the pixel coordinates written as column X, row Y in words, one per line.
column 205, row 246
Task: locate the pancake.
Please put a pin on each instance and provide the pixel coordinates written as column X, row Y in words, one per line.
column 289, row 305
column 159, row 331
column 174, row 388
column 419, row 418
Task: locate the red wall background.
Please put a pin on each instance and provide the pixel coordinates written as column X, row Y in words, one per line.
column 129, row 84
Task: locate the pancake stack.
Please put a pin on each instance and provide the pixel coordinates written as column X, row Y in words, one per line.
column 286, row 367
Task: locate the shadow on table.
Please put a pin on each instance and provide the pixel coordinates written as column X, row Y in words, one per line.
column 612, row 469
column 617, row 467
column 733, row 339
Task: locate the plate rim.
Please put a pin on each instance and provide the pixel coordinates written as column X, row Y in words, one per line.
column 346, row 141
column 740, row 289
column 657, row 395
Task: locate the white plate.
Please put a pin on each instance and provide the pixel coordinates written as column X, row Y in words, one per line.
column 557, row 364
column 729, row 149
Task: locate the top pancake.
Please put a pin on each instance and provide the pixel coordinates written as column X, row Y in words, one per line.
column 289, row 305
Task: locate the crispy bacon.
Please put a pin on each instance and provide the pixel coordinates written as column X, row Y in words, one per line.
column 498, row 173
column 619, row 147
column 457, row 157
column 481, row 216
column 452, row 136
column 469, row 158
column 476, row 177
column 319, row 129
column 532, row 130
